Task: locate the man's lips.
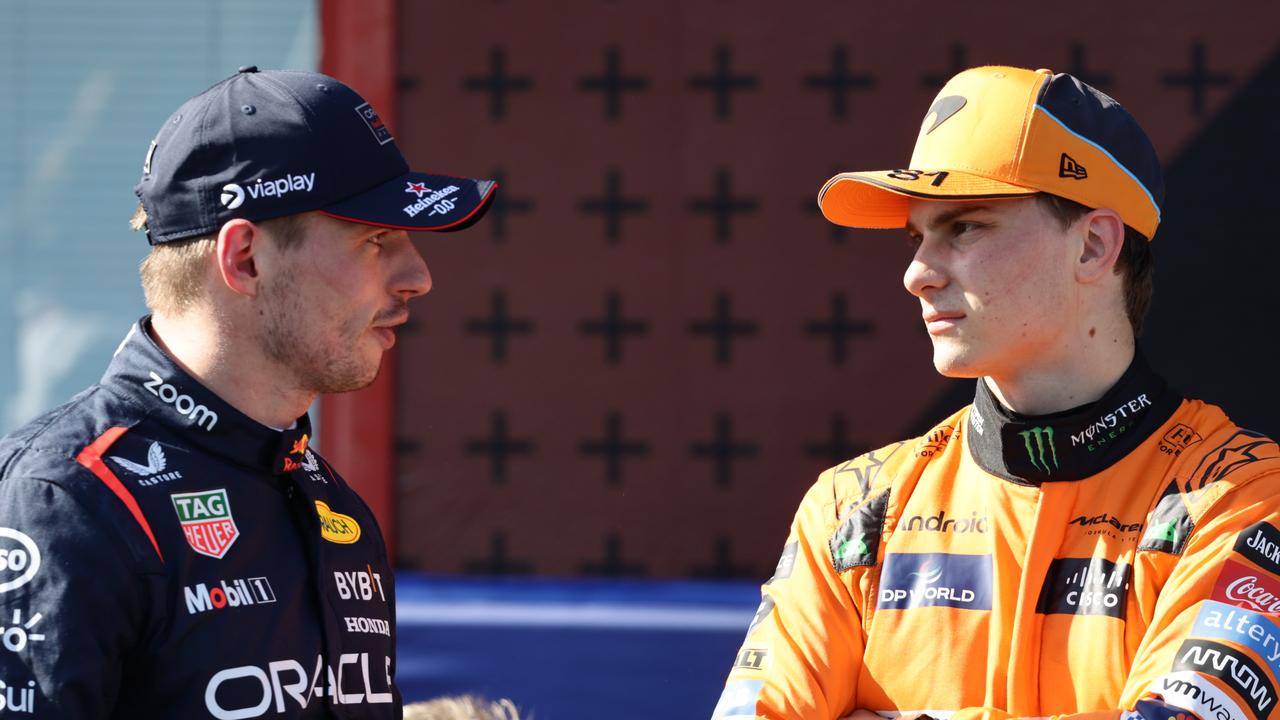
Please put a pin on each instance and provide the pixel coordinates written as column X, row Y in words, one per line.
column 939, row 321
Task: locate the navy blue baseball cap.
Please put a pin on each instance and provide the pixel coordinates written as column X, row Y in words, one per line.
column 260, row 145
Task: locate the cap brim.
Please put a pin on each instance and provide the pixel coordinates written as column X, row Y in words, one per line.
column 419, row 202
column 879, row 199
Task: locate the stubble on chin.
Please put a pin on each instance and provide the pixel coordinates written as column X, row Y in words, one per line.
column 320, row 358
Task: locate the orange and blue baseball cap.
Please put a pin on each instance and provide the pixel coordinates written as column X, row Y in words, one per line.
column 1006, row 132
column 263, row 144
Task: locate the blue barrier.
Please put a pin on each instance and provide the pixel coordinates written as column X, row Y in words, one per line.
column 572, row 649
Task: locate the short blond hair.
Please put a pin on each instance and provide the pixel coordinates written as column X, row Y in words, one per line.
column 173, row 272
column 462, row 707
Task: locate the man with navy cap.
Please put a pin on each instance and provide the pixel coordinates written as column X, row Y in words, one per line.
column 1081, row 540
column 169, row 544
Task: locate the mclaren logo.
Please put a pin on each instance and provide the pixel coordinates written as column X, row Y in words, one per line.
column 943, row 108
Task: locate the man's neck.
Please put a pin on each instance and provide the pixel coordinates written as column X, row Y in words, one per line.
column 230, row 365
column 1077, row 378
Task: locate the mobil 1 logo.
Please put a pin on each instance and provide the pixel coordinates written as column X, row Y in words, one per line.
column 1084, row 586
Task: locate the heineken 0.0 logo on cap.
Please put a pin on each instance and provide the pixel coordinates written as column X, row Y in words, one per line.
column 206, row 521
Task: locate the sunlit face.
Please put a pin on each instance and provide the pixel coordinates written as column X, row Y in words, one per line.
column 330, row 304
column 995, row 282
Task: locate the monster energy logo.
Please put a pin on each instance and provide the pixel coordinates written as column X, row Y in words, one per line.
column 1037, row 452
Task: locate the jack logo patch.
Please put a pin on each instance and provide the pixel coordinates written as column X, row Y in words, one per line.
column 1261, row 544
column 206, row 521
column 912, row 580
column 1084, row 586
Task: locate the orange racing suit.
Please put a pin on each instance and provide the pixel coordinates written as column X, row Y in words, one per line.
column 1119, row 559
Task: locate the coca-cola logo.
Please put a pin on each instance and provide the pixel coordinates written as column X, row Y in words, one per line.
column 1247, row 588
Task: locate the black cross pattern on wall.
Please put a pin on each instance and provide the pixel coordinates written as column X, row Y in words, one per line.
column 723, row 450
column 722, row 565
column 958, row 59
column 503, row 205
column 498, row 83
column 809, row 204
column 837, row 447
column 613, row 447
column 614, row 327
column 1078, row 66
column 499, row 326
column 613, row 205
column 723, row 328
column 1198, row 79
column 499, row 446
column 613, row 564
column 723, row 82
column 723, row 205
column 613, row 83
column 840, row 82
column 839, row 328
column 499, row 561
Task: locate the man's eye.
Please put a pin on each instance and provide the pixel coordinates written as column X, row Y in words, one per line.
column 961, row 228
column 914, row 240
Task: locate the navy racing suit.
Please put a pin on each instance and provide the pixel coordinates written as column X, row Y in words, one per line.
column 163, row 555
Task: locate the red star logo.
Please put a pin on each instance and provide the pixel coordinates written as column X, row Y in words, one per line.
column 418, row 189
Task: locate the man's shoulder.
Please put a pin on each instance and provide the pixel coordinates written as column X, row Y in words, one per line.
column 48, row 447
column 1216, row 456
column 874, row 472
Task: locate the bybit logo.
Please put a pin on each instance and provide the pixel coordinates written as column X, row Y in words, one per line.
column 1043, row 451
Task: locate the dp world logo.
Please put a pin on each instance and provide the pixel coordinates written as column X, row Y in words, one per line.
column 1040, row 448
column 232, row 196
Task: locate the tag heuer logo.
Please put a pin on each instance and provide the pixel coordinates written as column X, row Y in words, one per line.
column 336, row 527
column 206, row 521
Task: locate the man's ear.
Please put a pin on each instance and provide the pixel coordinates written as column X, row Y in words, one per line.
column 1102, row 238
column 240, row 242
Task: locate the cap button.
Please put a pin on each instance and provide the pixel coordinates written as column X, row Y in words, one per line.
column 248, row 69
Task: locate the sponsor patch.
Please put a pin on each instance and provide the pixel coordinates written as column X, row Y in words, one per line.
column 912, row 580
column 762, row 612
column 1260, row 543
column 438, row 202
column 369, row 626
column 751, row 659
column 198, row 414
column 786, row 563
column 374, row 123
column 206, row 521
column 17, row 699
column 935, row 442
column 857, row 540
column 1252, row 630
column 285, row 684
column 1193, row 693
column 1233, row 667
column 336, row 527
column 359, row 585
column 1179, row 438
column 1169, row 525
column 240, row 592
column 738, row 699
column 19, row 559
column 18, row 634
column 1106, row 524
column 1084, row 586
column 153, row 472
column 940, row 523
column 1245, row 587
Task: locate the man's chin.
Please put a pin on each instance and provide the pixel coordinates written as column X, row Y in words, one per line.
column 955, row 362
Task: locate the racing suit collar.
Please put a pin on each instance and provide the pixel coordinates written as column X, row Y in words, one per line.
column 142, row 372
column 1072, row 444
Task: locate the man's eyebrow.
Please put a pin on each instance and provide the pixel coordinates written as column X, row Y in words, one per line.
column 948, row 215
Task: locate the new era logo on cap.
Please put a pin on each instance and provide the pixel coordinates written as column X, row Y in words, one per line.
column 1069, row 168
column 238, row 150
